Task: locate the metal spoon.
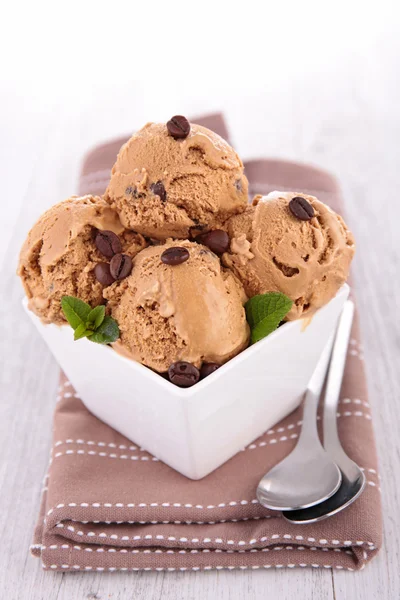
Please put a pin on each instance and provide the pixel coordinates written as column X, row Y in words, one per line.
column 308, row 475
column 353, row 479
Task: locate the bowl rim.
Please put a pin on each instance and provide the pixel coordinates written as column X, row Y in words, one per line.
column 201, row 385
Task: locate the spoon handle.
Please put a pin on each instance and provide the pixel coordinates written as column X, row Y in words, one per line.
column 309, row 427
column 335, row 376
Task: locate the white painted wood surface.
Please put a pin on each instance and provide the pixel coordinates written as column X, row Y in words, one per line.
column 347, row 121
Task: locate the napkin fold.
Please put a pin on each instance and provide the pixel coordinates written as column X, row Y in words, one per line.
column 109, row 505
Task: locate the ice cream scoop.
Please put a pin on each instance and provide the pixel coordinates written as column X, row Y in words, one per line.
column 291, row 243
column 166, row 186
column 179, row 304
column 60, row 255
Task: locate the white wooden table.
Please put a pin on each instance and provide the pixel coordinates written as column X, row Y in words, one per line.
column 348, row 123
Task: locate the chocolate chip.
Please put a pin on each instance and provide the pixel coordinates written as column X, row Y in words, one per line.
column 120, row 266
column 158, row 189
column 217, row 240
column 108, row 243
column 175, row 255
column 131, row 191
column 103, row 274
column 301, row 208
column 178, row 127
column 238, row 185
column 207, row 369
column 183, row 374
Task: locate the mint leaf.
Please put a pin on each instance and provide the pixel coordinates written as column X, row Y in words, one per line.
column 81, row 331
column 96, row 316
column 89, row 322
column 264, row 313
column 76, row 311
column 107, row 332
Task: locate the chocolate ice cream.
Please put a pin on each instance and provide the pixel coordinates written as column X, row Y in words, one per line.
column 179, row 305
column 291, row 243
column 176, row 179
column 59, row 256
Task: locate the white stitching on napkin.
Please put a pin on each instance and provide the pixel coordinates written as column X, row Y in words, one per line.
column 149, row 457
column 283, row 438
column 106, row 455
column 217, row 540
column 356, row 413
column 175, row 505
column 185, row 522
column 206, row 568
column 101, row 444
column 154, row 504
column 354, row 401
column 373, row 471
column 252, row 446
column 191, row 550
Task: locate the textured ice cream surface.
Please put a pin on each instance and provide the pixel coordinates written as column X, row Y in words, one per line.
column 192, row 311
column 163, row 187
column 59, row 255
column 132, row 242
column 272, row 250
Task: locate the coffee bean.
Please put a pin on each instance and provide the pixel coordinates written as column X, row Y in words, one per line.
column 108, row 243
column 183, row 374
column 301, row 208
column 178, row 127
column 120, row 266
column 175, row 256
column 217, row 240
column 207, row 369
column 158, row 189
column 103, row 274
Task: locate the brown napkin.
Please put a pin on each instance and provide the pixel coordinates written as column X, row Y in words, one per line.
column 108, row 505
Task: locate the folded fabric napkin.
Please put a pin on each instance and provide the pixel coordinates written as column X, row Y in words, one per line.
column 109, row 505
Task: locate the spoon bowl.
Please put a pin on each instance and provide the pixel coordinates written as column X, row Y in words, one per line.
column 353, row 483
column 353, row 479
column 308, row 475
column 299, row 481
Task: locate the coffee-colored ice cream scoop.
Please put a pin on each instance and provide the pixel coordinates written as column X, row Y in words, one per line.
column 178, row 304
column 163, row 186
column 291, row 243
column 59, row 255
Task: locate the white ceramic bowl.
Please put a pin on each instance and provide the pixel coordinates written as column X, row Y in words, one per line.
column 195, row 430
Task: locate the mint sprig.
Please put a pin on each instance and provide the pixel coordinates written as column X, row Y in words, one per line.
column 264, row 313
column 89, row 322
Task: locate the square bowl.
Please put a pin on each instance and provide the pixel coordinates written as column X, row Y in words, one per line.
column 195, row 430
